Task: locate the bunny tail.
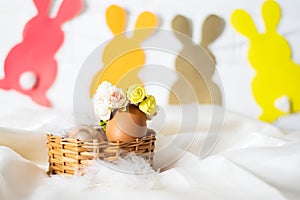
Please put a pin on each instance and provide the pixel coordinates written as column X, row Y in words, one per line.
column 3, row 84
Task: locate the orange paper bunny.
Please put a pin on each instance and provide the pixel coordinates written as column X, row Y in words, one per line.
column 123, row 57
column 270, row 55
column 42, row 37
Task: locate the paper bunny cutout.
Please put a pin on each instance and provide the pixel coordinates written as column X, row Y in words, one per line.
column 270, row 55
column 196, row 65
column 42, row 37
column 123, row 56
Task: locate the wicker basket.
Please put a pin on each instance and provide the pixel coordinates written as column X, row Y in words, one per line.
column 67, row 155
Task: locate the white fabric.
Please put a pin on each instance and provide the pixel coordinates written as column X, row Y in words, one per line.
column 251, row 160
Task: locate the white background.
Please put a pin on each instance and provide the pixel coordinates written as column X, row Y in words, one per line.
column 84, row 33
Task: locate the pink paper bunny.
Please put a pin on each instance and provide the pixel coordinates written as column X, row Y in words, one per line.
column 42, row 37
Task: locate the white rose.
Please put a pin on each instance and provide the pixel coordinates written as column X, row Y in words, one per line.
column 102, row 91
column 107, row 98
column 102, row 111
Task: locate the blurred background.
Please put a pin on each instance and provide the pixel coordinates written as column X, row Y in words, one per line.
column 89, row 29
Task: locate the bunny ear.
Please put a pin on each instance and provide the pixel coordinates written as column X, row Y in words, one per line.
column 145, row 25
column 68, row 9
column 116, row 19
column 243, row 23
column 212, row 28
column 181, row 24
column 42, row 6
column 271, row 15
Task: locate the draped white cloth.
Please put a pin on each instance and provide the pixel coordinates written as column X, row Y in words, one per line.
column 223, row 157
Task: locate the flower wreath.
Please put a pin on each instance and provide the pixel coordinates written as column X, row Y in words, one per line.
column 109, row 98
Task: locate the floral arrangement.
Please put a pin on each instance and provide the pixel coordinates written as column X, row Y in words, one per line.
column 109, row 98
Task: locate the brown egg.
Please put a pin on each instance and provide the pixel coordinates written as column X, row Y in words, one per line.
column 127, row 125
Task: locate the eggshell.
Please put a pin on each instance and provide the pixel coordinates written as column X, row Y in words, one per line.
column 127, row 125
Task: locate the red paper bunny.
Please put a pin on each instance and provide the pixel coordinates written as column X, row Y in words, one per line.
column 42, row 37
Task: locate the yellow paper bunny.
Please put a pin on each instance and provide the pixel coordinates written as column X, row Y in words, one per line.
column 123, row 57
column 270, row 55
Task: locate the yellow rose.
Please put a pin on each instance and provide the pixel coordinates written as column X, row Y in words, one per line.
column 136, row 93
column 148, row 106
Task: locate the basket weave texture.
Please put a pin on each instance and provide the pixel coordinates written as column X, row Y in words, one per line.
column 68, row 155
